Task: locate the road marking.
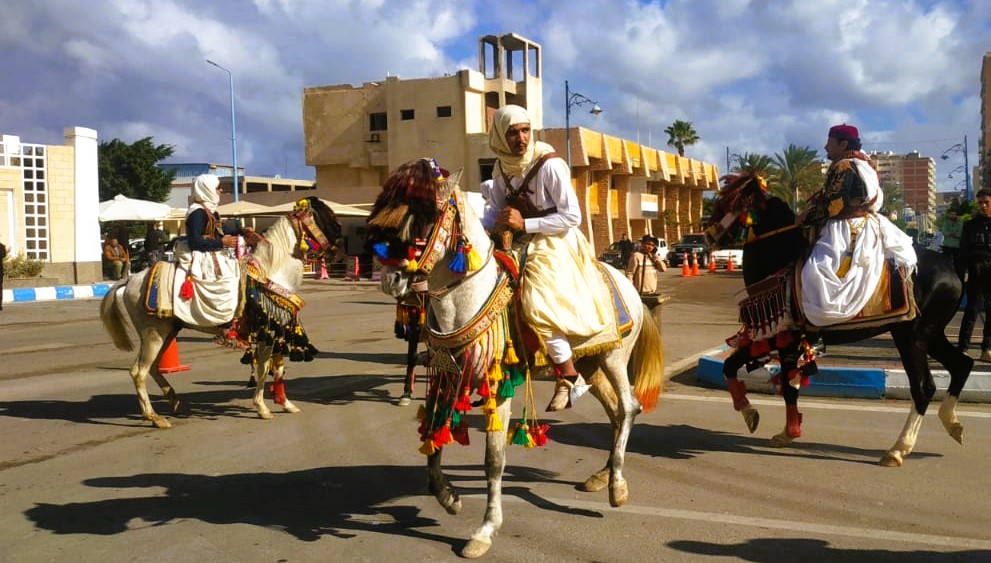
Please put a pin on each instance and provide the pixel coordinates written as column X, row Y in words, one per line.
column 859, row 407
column 790, row 526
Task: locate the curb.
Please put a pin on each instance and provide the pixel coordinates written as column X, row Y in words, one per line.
column 845, row 381
column 57, row 293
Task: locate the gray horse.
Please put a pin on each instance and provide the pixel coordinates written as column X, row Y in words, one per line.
column 279, row 259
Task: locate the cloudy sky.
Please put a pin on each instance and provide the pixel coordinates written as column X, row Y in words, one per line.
column 752, row 76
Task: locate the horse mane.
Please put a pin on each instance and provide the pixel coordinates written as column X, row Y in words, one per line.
column 275, row 249
column 407, row 205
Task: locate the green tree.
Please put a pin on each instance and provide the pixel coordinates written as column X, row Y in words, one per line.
column 680, row 135
column 797, row 173
column 130, row 170
column 894, row 199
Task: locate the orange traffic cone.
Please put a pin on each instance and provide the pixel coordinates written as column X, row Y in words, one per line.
column 695, row 264
column 170, row 360
column 685, row 272
column 323, row 271
column 712, row 264
column 729, row 265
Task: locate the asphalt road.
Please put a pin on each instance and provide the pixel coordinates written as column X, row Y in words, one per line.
column 83, row 478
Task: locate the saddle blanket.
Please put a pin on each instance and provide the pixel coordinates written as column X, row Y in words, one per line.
column 214, row 285
column 893, row 300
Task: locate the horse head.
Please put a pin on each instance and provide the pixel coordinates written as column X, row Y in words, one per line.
column 406, row 230
column 740, row 200
column 319, row 230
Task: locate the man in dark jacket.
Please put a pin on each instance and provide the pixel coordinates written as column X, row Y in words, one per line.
column 976, row 238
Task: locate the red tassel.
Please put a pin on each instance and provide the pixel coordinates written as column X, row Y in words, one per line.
column 483, row 391
column 464, row 403
column 539, row 433
column 460, row 433
column 443, row 436
column 186, row 291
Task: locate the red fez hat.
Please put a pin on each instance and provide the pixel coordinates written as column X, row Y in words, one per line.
column 844, row 132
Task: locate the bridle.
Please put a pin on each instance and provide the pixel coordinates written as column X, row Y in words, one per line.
column 312, row 240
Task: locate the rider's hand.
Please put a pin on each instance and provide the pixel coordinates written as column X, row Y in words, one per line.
column 510, row 217
column 230, row 241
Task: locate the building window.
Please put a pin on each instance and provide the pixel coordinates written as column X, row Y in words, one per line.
column 35, row 204
column 443, row 111
column 378, row 121
column 406, row 114
column 485, row 168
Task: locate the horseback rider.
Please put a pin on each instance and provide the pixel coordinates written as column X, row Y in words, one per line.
column 533, row 197
column 852, row 241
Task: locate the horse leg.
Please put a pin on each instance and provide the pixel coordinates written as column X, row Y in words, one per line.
column 264, row 360
column 789, row 390
column 600, row 388
column 149, row 354
column 913, row 352
column 279, row 385
column 413, row 340
column 495, row 464
column 959, row 365
column 738, row 389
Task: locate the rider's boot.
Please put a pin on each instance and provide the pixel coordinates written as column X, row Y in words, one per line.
column 570, row 386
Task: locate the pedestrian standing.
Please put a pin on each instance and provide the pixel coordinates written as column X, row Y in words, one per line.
column 975, row 240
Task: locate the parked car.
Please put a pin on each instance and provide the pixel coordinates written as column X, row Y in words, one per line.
column 613, row 256
column 692, row 242
column 722, row 256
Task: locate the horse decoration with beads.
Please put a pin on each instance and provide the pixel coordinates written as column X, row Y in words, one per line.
column 477, row 341
column 266, row 322
column 923, row 303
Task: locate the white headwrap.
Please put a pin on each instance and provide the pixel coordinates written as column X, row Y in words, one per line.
column 511, row 164
column 205, row 194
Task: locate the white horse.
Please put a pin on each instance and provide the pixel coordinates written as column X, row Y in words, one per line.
column 456, row 301
column 278, row 257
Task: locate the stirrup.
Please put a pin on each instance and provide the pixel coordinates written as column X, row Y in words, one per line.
column 567, row 392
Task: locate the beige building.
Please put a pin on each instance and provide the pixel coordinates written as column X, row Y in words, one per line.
column 915, row 176
column 355, row 136
column 49, row 202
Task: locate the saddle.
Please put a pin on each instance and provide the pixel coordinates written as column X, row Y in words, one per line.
column 893, row 300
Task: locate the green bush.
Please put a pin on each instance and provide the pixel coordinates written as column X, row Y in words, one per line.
column 21, row 267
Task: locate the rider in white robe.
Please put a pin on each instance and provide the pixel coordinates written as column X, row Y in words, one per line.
column 852, row 240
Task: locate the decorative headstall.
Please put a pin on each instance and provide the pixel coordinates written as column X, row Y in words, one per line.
column 312, row 241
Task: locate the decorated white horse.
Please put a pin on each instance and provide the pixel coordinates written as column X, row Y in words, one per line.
column 476, row 340
column 267, row 321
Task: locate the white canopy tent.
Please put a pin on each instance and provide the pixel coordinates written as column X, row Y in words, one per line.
column 123, row 208
column 242, row 208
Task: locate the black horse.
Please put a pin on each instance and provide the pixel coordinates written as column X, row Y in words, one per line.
column 774, row 246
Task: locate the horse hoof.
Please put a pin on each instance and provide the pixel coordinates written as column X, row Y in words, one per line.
column 891, row 459
column 265, row 415
column 781, row 440
column 595, row 483
column 159, row 422
column 290, row 408
column 619, row 494
column 752, row 418
column 956, row 432
column 475, row 548
column 405, row 400
column 453, row 507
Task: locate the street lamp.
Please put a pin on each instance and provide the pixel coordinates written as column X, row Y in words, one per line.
column 961, row 147
column 574, row 99
column 230, row 75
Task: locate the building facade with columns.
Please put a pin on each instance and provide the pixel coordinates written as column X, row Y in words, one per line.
column 49, row 203
column 355, row 137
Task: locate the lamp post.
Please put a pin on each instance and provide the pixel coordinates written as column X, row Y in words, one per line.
column 230, row 76
column 574, row 99
column 961, row 147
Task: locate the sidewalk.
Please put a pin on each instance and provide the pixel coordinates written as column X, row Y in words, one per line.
column 870, row 369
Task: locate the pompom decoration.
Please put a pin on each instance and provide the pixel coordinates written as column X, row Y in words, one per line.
column 381, row 250
column 186, row 291
column 457, row 264
column 539, row 434
column 474, row 260
column 494, row 424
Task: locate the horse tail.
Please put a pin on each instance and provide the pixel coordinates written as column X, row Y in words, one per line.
column 648, row 363
column 113, row 322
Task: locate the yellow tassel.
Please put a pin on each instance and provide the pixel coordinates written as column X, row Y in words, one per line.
column 495, row 424
column 474, row 260
column 490, row 403
column 510, row 357
column 845, row 265
column 428, row 447
column 412, row 266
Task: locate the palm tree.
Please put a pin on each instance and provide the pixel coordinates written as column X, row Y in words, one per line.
column 681, row 134
column 752, row 163
column 797, row 173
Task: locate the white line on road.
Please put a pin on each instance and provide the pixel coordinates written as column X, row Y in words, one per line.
column 860, row 407
column 789, row 526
